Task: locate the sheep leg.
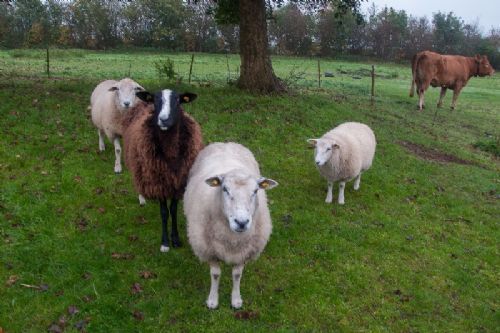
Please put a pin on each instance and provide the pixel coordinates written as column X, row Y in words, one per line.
column 341, row 192
column 213, row 297
column 164, row 226
column 357, row 181
column 118, row 152
column 329, row 194
column 236, row 300
column 102, row 147
column 176, row 242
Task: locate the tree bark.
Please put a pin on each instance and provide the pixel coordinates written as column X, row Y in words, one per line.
column 256, row 71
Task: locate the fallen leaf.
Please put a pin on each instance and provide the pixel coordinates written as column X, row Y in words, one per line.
column 73, row 310
column 136, row 288
column 138, row 315
column 246, row 315
column 78, row 179
column 88, row 298
column 147, row 275
column 141, row 220
column 99, row 190
column 12, row 280
column 62, row 321
column 133, row 238
column 59, row 293
column 54, row 328
column 86, row 276
column 101, row 210
column 81, row 324
column 124, row 256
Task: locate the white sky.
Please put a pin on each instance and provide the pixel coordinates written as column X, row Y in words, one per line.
column 485, row 12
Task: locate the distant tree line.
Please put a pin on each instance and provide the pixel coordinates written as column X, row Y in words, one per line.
column 178, row 25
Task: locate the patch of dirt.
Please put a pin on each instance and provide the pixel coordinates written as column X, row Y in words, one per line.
column 431, row 154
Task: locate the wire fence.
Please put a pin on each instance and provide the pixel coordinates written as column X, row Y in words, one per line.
column 198, row 69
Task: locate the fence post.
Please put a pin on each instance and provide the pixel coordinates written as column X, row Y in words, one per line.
column 48, row 63
column 191, row 68
column 319, row 75
column 228, row 71
column 372, row 98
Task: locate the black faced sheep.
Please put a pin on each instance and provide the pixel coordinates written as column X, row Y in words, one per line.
column 161, row 143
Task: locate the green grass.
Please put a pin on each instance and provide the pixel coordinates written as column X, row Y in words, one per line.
column 415, row 250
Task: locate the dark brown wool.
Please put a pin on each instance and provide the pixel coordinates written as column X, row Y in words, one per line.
column 159, row 161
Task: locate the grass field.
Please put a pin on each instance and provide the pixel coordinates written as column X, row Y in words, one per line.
column 414, row 250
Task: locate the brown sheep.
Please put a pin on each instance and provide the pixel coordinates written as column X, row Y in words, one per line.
column 161, row 143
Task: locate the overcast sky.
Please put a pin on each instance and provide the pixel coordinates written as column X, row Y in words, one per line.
column 486, row 12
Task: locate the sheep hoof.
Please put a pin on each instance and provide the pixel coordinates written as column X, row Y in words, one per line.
column 142, row 201
column 237, row 303
column 164, row 248
column 212, row 304
column 118, row 170
column 176, row 243
column 341, row 202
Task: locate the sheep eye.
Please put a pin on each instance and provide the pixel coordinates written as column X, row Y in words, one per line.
column 328, row 149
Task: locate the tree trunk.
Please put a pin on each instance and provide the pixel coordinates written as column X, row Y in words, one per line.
column 256, row 72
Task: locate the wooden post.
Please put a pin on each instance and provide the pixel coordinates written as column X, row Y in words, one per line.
column 191, row 68
column 319, row 75
column 372, row 99
column 48, row 63
column 228, row 71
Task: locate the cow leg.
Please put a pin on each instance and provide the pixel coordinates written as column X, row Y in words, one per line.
column 456, row 92
column 176, row 242
column 441, row 96
column 164, row 226
column 420, row 99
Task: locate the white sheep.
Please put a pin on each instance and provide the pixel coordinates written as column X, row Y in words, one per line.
column 109, row 101
column 342, row 154
column 227, row 216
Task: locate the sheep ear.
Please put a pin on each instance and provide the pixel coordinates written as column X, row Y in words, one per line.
column 214, row 181
column 187, row 97
column 335, row 146
column 478, row 58
column 139, row 89
column 113, row 89
column 312, row 142
column 267, row 183
column 145, row 96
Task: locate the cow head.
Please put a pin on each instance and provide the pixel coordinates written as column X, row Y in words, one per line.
column 483, row 66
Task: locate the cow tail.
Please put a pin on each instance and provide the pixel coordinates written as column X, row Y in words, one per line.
column 413, row 73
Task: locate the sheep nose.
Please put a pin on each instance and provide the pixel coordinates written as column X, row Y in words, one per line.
column 241, row 223
column 127, row 104
column 318, row 163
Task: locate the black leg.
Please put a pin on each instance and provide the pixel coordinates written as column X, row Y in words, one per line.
column 176, row 242
column 164, row 226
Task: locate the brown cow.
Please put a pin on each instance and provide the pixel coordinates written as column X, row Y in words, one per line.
column 445, row 71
